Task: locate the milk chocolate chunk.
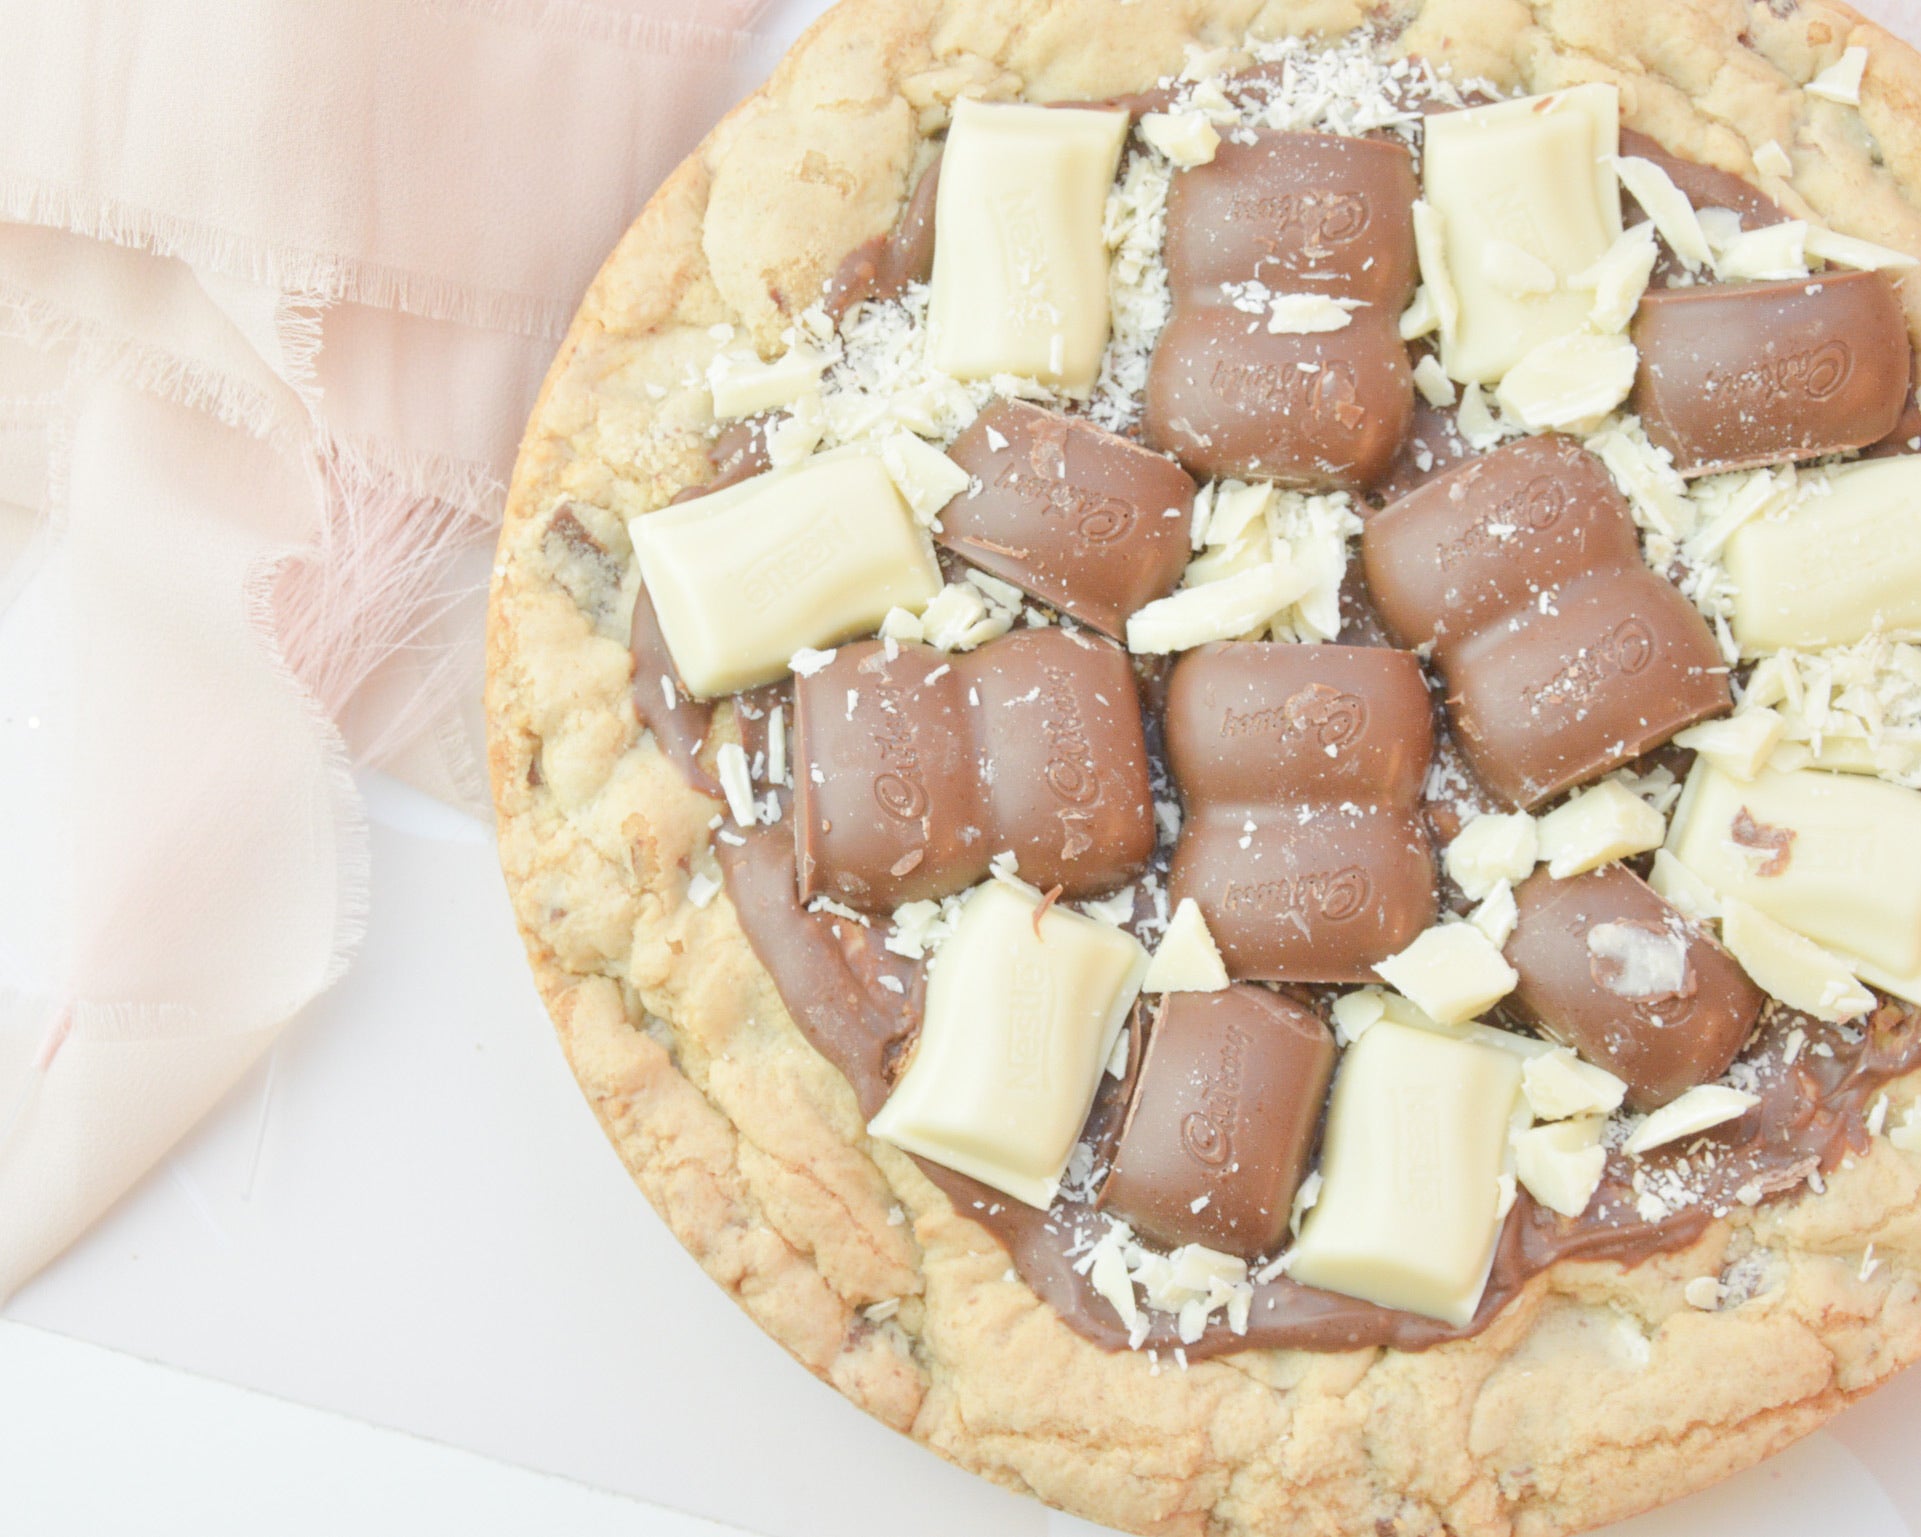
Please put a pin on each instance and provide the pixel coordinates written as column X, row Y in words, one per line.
column 1740, row 374
column 1610, row 969
column 1301, row 769
column 1290, row 214
column 1563, row 654
column 912, row 774
column 1081, row 518
column 1223, row 1121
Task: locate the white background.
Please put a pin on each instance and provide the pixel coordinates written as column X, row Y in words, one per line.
column 407, row 1287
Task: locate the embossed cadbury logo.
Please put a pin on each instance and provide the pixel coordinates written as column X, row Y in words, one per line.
column 1282, row 388
column 787, row 565
column 1334, row 718
column 1071, row 772
column 1094, row 516
column 1621, row 653
column 1318, row 222
column 1207, row 1134
column 1335, row 897
column 898, row 791
column 1536, row 507
column 1815, row 374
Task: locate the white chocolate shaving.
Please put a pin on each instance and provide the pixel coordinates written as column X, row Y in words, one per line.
column 1667, row 205
column 1700, row 1109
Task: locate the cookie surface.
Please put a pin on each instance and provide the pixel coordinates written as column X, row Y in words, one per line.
column 1599, row 1391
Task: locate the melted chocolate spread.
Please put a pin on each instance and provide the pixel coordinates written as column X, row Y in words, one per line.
column 830, row 969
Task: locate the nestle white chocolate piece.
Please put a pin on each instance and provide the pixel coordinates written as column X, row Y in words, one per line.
column 925, row 477
column 1490, row 849
column 1411, row 1173
column 1533, row 173
column 1452, row 972
column 1836, row 566
column 1667, row 205
column 1186, row 960
column 1432, row 381
column 1021, row 1016
column 1020, row 265
column 1841, row 80
column 1772, row 160
column 1305, row 314
column 1559, row 1084
column 1700, row 1109
column 1619, row 278
column 1791, row 967
column 1568, row 379
column 745, row 386
column 1497, row 916
column 1737, row 744
column 1217, row 611
column 1839, row 250
column 1604, row 822
column 745, row 577
column 1772, row 251
column 1513, row 271
column 1562, row 1165
column 1186, row 138
column 1835, row 857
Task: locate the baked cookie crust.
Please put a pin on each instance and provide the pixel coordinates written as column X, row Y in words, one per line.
column 1599, row 1392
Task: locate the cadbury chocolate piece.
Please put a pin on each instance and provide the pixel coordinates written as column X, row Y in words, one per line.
column 1020, row 267
column 912, row 774
column 743, row 578
column 1223, row 1120
column 1086, row 520
column 1834, row 857
column 1301, row 769
column 1740, row 374
column 1610, row 969
column 1024, row 1003
column 1290, row 213
column 1564, row 655
column 1409, row 1212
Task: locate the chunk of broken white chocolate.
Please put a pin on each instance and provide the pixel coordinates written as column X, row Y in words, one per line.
column 745, row 577
column 1409, row 1207
column 1020, row 266
column 1698, row 1110
column 1490, row 849
column 1023, row 1006
column 1834, row 857
column 1559, row 1084
column 1561, row 1165
column 1535, row 173
column 1792, row 967
column 1186, row 960
column 1836, row 566
column 1452, row 973
column 1603, row 823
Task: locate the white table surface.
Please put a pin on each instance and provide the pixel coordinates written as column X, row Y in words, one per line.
column 399, row 1282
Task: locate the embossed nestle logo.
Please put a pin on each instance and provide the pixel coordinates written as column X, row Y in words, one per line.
column 1028, row 1001
column 1318, row 222
column 1621, row 653
column 1071, row 772
column 1207, row 1134
column 1816, row 374
column 898, row 791
column 1094, row 516
column 1536, row 507
column 1022, row 225
column 1328, row 392
column 787, row 565
column 1334, row 897
column 1333, row 718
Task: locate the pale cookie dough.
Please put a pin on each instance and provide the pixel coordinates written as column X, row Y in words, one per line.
column 1597, row 1393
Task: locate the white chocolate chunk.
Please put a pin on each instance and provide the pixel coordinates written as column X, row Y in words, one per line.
column 1559, row 1084
column 1720, row 225
column 1497, row 915
column 1022, row 1014
column 1422, row 317
column 1605, row 822
column 745, row 577
column 1567, row 380
column 1187, row 960
column 1533, row 173
column 1703, row 1292
column 959, row 618
column 1476, row 419
column 1562, row 1165
column 1510, row 269
column 1186, row 138
column 1309, row 314
column 1437, row 279
column 1020, row 264
column 1791, row 967
column 1220, row 610
column 1356, row 1013
column 1451, row 972
column 1619, row 279
column 745, row 386
column 1772, row 160
column 1648, row 476
column 1700, row 1109
column 1836, row 566
column 1839, row 250
column 1841, row 80
column 1432, row 381
column 1492, row 848
column 791, row 438
column 777, row 745
column 1684, row 891
column 1411, row 1176
column 1773, row 251
column 1667, row 205
column 1240, row 508
column 925, row 477
column 1736, row 744
column 1834, row 857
